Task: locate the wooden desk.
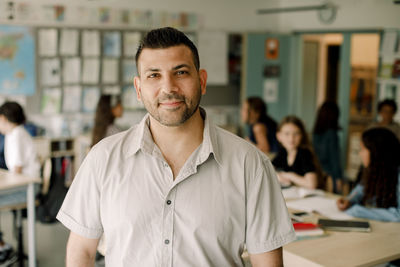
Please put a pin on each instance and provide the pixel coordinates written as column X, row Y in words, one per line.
column 10, row 182
column 346, row 248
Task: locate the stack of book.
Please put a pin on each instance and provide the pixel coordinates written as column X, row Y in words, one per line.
column 305, row 230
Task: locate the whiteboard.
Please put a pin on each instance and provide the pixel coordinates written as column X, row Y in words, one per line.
column 213, row 52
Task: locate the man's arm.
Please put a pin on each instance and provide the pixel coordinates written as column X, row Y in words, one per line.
column 271, row 258
column 81, row 251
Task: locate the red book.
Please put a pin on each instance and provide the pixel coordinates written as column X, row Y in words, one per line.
column 304, row 226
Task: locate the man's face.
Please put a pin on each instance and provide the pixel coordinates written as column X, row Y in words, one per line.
column 169, row 85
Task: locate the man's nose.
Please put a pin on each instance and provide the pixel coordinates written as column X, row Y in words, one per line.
column 168, row 84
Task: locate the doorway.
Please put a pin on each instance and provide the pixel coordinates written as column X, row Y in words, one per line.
column 320, row 75
column 346, row 67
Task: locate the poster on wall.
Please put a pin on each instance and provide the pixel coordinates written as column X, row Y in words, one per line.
column 213, row 49
column 270, row 90
column 17, row 60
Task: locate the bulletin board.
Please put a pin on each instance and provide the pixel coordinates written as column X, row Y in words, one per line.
column 76, row 66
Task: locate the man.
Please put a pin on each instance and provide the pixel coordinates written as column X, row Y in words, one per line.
column 175, row 190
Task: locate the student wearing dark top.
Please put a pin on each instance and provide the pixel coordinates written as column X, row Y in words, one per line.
column 326, row 142
column 261, row 127
column 295, row 162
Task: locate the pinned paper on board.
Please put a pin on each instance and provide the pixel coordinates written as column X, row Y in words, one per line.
column 129, row 98
column 50, row 71
column 72, row 98
column 51, row 101
column 110, row 70
column 48, row 42
column 72, row 70
column 112, row 44
column 90, row 43
column 91, row 70
column 129, row 70
column 90, row 98
column 270, row 90
column 69, row 42
column 131, row 43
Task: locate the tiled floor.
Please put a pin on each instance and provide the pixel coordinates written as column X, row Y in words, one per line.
column 50, row 240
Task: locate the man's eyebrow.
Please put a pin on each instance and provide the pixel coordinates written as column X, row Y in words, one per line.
column 151, row 70
column 181, row 66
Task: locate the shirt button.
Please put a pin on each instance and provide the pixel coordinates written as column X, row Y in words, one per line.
column 169, row 202
column 166, row 241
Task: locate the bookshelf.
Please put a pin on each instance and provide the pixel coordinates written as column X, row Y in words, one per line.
column 388, row 82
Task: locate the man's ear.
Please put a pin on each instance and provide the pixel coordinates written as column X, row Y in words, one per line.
column 203, row 80
column 136, row 83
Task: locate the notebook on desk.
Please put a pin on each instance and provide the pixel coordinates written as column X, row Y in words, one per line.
column 335, row 225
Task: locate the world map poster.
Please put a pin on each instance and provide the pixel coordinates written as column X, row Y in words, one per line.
column 17, row 60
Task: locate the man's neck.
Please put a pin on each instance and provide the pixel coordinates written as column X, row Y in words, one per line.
column 178, row 143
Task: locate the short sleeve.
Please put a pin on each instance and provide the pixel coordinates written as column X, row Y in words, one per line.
column 15, row 151
column 268, row 223
column 80, row 211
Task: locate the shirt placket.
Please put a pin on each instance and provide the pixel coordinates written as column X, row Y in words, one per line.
column 168, row 222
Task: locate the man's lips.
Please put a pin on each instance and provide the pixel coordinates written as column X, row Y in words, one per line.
column 174, row 103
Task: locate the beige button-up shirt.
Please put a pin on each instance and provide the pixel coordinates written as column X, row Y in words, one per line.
column 226, row 195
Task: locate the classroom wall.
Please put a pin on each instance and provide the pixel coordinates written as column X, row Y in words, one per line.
column 254, row 69
column 240, row 16
column 354, row 14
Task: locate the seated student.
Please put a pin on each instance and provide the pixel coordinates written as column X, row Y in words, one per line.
column 377, row 196
column 295, row 162
column 20, row 157
column 262, row 128
column 386, row 111
column 19, row 150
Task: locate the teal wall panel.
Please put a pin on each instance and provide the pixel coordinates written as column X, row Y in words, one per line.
column 256, row 62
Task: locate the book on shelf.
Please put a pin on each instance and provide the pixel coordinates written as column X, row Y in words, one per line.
column 396, row 69
column 386, row 70
column 389, row 41
column 345, row 225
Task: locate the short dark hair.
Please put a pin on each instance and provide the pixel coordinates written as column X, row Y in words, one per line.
column 13, row 112
column 165, row 38
column 387, row 102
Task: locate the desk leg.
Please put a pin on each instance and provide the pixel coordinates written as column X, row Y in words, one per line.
column 31, row 225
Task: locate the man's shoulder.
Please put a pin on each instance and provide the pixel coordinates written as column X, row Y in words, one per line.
column 118, row 140
column 230, row 143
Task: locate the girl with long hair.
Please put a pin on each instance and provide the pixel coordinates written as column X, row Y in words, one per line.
column 295, row 162
column 108, row 109
column 261, row 127
column 377, row 196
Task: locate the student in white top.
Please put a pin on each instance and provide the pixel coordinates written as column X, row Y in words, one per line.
column 19, row 150
column 20, row 157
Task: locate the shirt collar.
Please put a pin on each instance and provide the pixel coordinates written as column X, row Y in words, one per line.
column 139, row 138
